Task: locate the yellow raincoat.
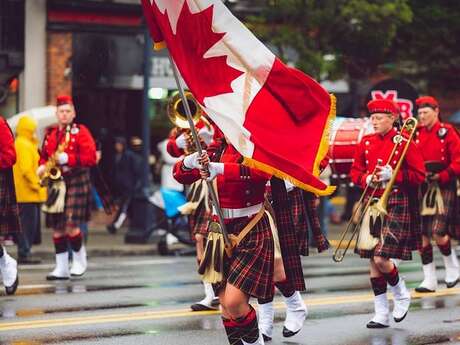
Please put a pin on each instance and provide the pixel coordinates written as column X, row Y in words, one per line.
column 26, row 181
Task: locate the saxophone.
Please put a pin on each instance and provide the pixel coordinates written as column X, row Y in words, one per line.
column 52, row 170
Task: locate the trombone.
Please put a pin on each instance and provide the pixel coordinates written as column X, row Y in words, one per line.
column 379, row 206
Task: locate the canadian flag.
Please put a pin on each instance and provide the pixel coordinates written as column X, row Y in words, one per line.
column 277, row 117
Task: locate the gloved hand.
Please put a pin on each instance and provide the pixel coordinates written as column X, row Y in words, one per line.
column 385, row 173
column 206, row 134
column 192, row 161
column 181, row 141
column 40, row 170
column 369, row 179
column 63, row 158
column 212, row 171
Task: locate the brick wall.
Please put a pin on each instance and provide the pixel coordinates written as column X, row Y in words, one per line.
column 59, row 53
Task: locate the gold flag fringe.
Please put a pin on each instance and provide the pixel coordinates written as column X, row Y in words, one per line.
column 322, row 151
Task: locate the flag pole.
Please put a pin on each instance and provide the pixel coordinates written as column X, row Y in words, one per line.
column 197, row 143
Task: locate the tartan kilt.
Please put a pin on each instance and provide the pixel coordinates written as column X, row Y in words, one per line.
column 289, row 218
column 298, row 211
column 77, row 208
column 199, row 220
column 400, row 232
column 443, row 224
column 9, row 211
column 250, row 268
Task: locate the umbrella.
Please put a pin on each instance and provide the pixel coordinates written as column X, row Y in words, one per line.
column 45, row 117
column 455, row 118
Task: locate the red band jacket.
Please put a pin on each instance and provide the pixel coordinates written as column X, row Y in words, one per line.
column 440, row 144
column 376, row 147
column 81, row 148
column 238, row 187
column 7, row 151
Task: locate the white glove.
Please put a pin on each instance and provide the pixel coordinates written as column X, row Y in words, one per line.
column 181, row 142
column 41, row 170
column 206, row 134
column 63, row 158
column 214, row 170
column 369, row 179
column 192, row 161
column 385, row 173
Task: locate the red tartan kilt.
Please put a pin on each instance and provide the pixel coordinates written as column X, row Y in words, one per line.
column 401, row 235
column 250, row 268
column 9, row 211
column 77, row 208
column 443, row 224
column 199, row 220
column 297, row 204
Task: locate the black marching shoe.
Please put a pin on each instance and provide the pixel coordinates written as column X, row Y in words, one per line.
column 287, row 333
column 422, row 289
column 10, row 290
column 373, row 324
column 266, row 337
column 452, row 284
column 52, row 277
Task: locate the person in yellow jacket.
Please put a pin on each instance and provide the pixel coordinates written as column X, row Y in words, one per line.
column 29, row 193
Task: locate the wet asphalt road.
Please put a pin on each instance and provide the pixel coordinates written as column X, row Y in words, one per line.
column 145, row 300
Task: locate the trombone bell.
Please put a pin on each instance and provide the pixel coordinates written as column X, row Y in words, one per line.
column 177, row 114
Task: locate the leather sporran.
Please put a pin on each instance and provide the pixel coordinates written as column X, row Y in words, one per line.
column 370, row 230
column 432, row 202
column 55, row 202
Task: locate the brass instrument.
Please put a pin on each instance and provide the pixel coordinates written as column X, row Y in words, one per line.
column 377, row 207
column 52, row 170
column 176, row 111
column 176, row 114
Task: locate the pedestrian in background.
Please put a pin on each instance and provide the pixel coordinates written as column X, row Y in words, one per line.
column 29, row 193
column 9, row 212
column 127, row 181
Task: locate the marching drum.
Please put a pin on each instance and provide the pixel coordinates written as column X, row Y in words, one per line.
column 346, row 134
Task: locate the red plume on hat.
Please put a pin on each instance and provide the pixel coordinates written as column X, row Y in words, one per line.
column 427, row 101
column 383, row 106
column 63, row 99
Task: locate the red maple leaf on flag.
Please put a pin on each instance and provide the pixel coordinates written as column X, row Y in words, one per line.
column 193, row 38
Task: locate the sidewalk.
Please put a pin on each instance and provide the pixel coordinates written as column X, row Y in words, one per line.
column 100, row 242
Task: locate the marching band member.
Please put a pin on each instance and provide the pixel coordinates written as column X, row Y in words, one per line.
column 9, row 212
column 71, row 147
column 397, row 236
column 181, row 143
column 440, row 147
column 249, row 270
column 302, row 209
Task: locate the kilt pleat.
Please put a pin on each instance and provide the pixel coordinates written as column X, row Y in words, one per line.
column 199, row 220
column 250, row 268
column 289, row 231
column 298, row 211
column 400, row 234
column 77, row 208
column 9, row 211
column 443, row 224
